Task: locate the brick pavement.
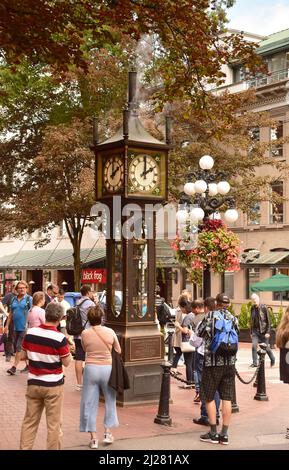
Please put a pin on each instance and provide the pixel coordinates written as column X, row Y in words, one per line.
column 257, row 425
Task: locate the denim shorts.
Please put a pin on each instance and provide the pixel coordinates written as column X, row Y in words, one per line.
column 18, row 340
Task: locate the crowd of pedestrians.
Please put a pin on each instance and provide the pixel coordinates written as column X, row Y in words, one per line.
column 35, row 332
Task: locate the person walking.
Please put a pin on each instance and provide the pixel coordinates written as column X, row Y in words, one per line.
column 51, row 294
column 282, row 342
column 9, row 344
column 47, row 351
column 36, row 315
column 184, row 327
column 19, row 308
column 66, row 306
column 181, row 311
column 260, row 325
column 85, row 303
column 97, row 342
column 195, row 340
column 218, row 373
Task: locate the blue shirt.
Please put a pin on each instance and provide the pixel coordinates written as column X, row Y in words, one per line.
column 20, row 311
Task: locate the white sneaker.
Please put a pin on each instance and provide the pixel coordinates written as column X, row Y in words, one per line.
column 108, row 438
column 78, row 387
column 93, row 444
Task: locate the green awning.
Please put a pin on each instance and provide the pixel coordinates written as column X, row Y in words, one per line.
column 48, row 259
column 277, row 283
column 62, row 259
column 165, row 255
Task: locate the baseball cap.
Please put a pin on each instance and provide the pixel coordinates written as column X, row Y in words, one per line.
column 222, row 299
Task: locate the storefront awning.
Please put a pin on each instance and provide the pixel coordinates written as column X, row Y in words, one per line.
column 165, row 255
column 48, row 259
column 63, row 259
column 253, row 258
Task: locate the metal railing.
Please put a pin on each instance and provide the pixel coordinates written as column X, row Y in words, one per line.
column 263, row 80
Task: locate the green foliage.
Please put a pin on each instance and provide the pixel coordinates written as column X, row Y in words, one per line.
column 244, row 318
column 275, row 317
column 232, row 310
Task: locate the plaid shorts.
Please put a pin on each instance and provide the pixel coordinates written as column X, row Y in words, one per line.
column 79, row 353
column 221, row 378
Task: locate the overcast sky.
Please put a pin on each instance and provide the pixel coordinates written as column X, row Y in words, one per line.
column 259, row 16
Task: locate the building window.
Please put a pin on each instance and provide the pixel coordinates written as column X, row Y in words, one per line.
column 228, row 284
column 276, row 133
column 254, row 134
column 276, row 207
column 254, row 218
column 279, row 296
column 239, row 74
column 253, row 275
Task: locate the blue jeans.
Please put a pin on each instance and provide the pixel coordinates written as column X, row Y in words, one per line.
column 199, row 365
column 260, row 338
column 95, row 378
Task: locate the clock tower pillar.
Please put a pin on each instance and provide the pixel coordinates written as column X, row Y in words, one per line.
column 132, row 169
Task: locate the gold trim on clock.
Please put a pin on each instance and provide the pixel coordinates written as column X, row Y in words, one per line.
column 144, row 173
column 113, row 174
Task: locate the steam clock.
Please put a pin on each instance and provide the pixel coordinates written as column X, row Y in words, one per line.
column 131, row 173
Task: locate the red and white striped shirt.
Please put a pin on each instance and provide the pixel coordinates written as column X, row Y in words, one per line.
column 45, row 346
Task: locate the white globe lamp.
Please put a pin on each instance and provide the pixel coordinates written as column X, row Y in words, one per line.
column 200, row 186
column 197, row 214
column 223, row 187
column 213, row 189
column 182, row 216
column 231, row 215
column 206, row 162
column 189, row 189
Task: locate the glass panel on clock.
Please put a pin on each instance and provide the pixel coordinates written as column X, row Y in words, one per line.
column 140, row 277
column 117, row 284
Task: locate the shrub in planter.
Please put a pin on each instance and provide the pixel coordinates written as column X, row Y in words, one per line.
column 244, row 317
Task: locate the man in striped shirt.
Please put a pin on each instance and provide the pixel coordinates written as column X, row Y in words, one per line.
column 47, row 351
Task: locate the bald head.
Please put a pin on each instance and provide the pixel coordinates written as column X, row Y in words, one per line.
column 255, row 299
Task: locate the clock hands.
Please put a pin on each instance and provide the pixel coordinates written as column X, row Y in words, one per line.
column 145, row 172
column 113, row 173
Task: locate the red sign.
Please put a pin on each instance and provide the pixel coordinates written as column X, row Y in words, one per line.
column 93, row 276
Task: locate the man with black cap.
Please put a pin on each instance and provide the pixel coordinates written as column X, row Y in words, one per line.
column 218, row 373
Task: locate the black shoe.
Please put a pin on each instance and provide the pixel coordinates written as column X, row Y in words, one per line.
column 12, row 370
column 209, row 437
column 253, row 365
column 202, row 420
column 25, row 370
column 224, row 440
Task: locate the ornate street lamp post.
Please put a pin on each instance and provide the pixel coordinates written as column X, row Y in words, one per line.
column 202, row 198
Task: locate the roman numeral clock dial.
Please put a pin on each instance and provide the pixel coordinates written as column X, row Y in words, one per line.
column 144, row 173
column 113, row 174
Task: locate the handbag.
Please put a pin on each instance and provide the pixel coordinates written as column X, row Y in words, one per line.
column 119, row 379
column 186, row 347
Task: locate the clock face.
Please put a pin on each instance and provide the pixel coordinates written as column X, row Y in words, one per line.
column 144, row 173
column 113, row 174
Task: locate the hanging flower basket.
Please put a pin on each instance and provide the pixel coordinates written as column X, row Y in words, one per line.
column 216, row 248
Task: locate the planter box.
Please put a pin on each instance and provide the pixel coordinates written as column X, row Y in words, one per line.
column 244, row 336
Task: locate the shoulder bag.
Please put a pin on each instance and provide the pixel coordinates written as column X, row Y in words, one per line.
column 119, row 379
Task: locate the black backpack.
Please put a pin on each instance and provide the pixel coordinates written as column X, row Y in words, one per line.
column 74, row 326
